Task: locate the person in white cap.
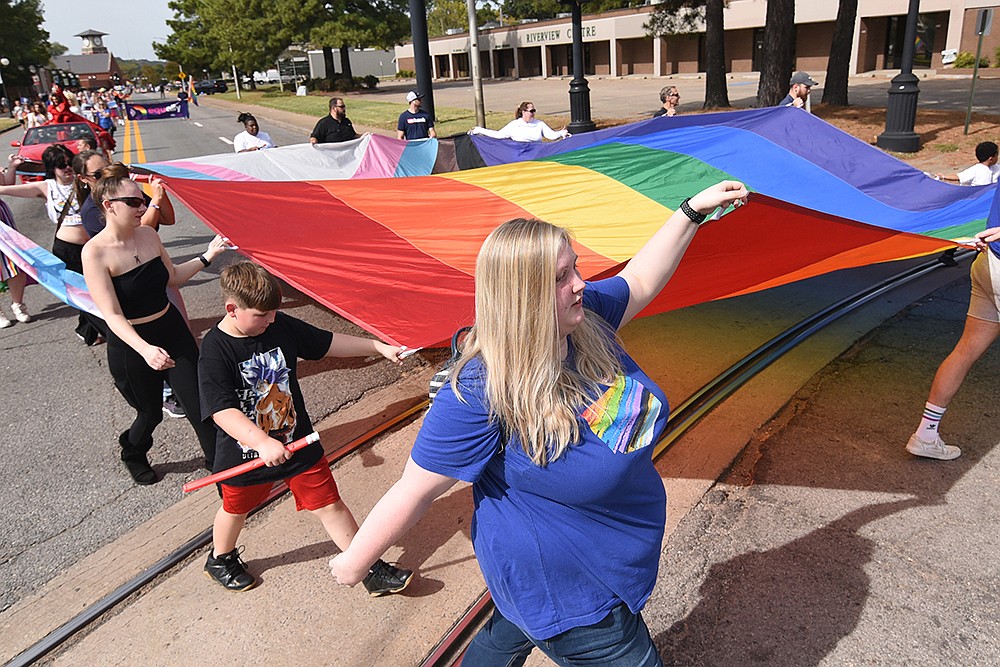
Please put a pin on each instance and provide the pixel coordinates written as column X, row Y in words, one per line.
column 801, row 84
column 414, row 123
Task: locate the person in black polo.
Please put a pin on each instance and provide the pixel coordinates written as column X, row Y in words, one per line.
column 333, row 128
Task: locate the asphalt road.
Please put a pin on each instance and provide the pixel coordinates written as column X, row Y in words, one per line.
column 66, row 493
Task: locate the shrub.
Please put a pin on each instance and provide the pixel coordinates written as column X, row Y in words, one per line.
column 369, row 82
column 966, row 60
column 409, row 73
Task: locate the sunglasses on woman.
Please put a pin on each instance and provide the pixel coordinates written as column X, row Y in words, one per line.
column 131, row 202
column 61, row 165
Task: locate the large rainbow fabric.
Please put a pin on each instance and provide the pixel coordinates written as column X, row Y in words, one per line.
column 46, row 269
column 396, row 255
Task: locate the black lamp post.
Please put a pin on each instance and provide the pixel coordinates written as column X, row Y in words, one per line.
column 422, row 54
column 579, row 91
column 901, row 113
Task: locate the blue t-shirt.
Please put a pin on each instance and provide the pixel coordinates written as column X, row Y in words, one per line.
column 560, row 546
column 415, row 125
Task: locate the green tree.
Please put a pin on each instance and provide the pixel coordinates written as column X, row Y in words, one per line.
column 342, row 24
column 188, row 43
column 23, row 41
column 678, row 17
column 443, row 15
column 57, row 49
column 546, row 9
column 151, row 74
column 130, row 69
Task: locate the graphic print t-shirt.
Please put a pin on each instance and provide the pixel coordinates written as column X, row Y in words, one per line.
column 257, row 376
column 560, row 546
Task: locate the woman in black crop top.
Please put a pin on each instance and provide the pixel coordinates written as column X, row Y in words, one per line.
column 127, row 272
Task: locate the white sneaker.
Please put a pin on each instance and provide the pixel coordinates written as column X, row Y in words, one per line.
column 4, row 322
column 932, row 450
column 20, row 312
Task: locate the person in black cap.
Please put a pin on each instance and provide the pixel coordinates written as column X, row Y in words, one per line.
column 414, row 123
column 801, row 84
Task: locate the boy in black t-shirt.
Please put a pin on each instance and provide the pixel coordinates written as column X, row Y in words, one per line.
column 250, row 389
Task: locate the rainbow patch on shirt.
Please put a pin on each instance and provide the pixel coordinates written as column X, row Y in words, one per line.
column 624, row 416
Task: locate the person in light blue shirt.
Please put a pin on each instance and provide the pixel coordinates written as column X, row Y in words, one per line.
column 553, row 424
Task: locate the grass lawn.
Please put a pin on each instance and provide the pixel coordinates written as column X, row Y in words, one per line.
column 382, row 115
column 7, row 123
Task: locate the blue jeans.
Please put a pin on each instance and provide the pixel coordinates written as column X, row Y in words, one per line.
column 620, row 639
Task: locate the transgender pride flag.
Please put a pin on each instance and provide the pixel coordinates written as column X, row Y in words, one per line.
column 47, row 269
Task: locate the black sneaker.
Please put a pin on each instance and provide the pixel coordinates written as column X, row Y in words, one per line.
column 230, row 571
column 384, row 579
column 173, row 408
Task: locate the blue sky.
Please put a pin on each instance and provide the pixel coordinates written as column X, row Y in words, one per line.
column 132, row 25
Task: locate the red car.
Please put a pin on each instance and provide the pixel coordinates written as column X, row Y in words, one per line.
column 37, row 139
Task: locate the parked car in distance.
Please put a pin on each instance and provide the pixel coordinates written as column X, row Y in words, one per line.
column 210, row 86
column 37, row 139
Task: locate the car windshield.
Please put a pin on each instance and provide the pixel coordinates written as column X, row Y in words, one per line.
column 49, row 134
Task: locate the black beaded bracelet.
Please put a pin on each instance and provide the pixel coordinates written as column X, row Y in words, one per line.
column 692, row 214
column 205, row 262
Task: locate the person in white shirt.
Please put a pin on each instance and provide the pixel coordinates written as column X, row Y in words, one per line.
column 251, row 139
column 986, row 172
column 524, row 127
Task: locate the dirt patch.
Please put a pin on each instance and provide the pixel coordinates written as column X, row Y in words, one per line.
column 944, row 146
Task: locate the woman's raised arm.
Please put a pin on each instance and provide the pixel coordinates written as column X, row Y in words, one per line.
column 650, row 269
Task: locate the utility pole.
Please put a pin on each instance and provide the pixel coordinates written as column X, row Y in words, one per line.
column 477, row 78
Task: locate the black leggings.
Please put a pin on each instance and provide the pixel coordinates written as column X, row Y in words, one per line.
column 142, row 386
column 88, row 327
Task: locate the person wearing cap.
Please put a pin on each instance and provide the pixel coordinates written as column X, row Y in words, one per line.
column 335, row 127
column 414, row 123
column 801, row 84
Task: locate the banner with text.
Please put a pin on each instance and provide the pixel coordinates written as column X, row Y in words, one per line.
column 153, row 110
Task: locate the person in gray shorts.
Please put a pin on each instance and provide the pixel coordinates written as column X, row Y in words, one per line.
column 982, row 326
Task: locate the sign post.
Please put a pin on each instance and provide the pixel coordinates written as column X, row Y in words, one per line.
column 984, row 21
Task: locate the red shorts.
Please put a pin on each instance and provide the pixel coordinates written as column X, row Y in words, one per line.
column 313, row 489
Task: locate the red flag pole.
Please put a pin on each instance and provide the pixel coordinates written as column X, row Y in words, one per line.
column 245, row 467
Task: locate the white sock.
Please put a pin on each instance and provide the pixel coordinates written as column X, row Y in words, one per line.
column 928, row 429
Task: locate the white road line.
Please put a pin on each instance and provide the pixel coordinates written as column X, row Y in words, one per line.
column 228, row 141
column 197, row 123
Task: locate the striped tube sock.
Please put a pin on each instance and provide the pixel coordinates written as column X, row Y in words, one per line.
column 928, row 429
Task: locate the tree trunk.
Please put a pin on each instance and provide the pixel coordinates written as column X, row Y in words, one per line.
column 345, row 62
column 716, row 95
column 779, row 52
column 331, row 70
column 837, row 69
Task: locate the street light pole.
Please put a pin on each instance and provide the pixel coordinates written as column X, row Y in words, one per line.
column 579, row 91
column 901, row 112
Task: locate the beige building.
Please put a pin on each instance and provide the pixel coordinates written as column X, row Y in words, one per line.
column 616, row 44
